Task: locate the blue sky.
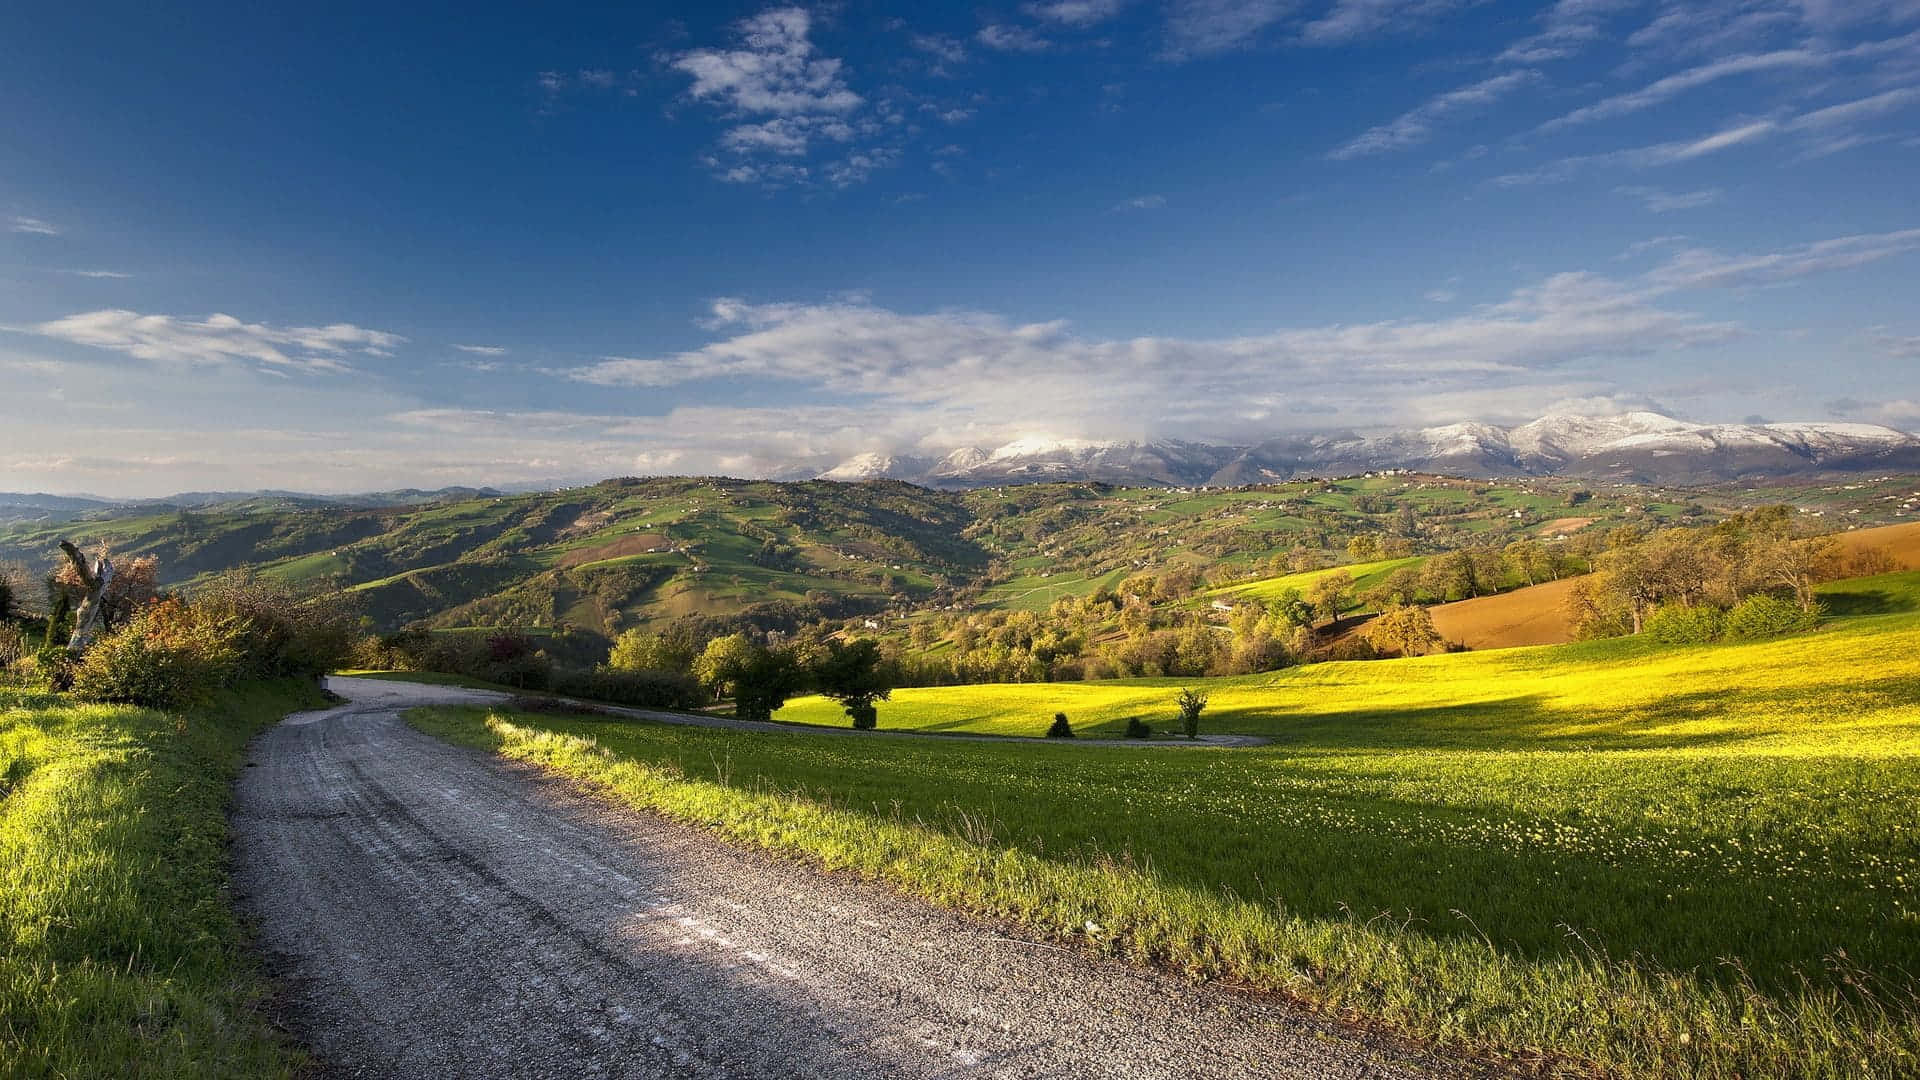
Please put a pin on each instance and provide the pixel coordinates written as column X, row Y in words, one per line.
column 360, row 247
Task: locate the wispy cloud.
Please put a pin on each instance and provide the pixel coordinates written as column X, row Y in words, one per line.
column 1700, row 268
column 1005, row 37
column 1205, row 27
column 1643, row 157
column 1416, row 125
column 1566, row 28
column 1076, row 13
column 32, row 226
column 1850, row 112
column 483, row 350
column 1664, row 202
column 1141, row 202
column 221, row 339
column 1352, row 20
column 113, row 274
column 1674, row 85
column 946, row 50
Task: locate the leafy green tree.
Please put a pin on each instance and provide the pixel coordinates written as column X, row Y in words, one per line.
column 1330, row 595
column 635, row 650
column 854, row 675
column 719, row 666
column 1405, row 629
column 764, row 679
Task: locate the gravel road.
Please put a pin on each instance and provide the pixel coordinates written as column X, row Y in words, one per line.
column 428, row 911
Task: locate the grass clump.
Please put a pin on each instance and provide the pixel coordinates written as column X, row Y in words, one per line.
column 118, row 953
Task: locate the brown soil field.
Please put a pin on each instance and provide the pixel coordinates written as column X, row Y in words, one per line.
column 1530, row 616
column 631, row 544
column 1560, row 526
column 1534, row 616
column 1900, row 541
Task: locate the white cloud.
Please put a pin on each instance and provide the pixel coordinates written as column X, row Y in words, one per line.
column 1076, row 13
column 1698, row 268
column 221, row 339
column 1665, row 202
column 773, row 71
column 1416, row 125
column 1674, row 85
column 1141, row 202
column 941, row 47
column 1204, row 27
column 32, row 226
column 1567, row 28
column 1351, row 20
column 1007, row 38
column 100, row 274
column 483, row 350
column 1644, row 157
column 1848, row 112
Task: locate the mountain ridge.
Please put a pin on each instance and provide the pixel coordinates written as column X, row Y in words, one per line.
column 1640, row 446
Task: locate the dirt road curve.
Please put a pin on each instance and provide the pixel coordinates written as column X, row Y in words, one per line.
column 431, row 912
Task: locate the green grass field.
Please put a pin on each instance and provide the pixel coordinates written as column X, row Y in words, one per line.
column 1365, row 576
column 1662, row 861
column 118, row 953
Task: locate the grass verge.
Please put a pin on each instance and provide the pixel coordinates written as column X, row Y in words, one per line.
column 1203, row 863
column 119, row 954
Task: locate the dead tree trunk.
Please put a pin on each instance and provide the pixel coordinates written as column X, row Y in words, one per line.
column 92, row 613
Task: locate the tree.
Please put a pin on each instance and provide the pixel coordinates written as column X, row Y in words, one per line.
column 763, row 681
column 853, row 675
column 16, row 592
column 1779, row 561
column 1363, row 548
column 1404, row 629
column 638, row 651
column 719, row 666
column 1191, row 703
column 1061, row 729
column 1330, row 595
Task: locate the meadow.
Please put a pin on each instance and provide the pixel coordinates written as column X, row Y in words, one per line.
column 1608, row 856
column 118, row 953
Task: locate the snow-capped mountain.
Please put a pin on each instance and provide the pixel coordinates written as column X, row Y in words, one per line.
column 1641, row 446
column 877, row 466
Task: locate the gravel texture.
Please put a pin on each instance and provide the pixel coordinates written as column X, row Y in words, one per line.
column 428, row 911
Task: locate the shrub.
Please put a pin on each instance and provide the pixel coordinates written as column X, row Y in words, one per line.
column 283, row 633
column 1138, row 729
column 1677, row 625
column 1060, row 729
column 1191, row 703
column 168, row 656
column 1765, row 615
column 642, row 689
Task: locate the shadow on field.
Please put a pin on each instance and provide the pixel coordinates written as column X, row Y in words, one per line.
column 1871, row 602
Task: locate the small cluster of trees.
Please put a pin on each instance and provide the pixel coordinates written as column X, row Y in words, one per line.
column 1746, row 576
column 758, row 673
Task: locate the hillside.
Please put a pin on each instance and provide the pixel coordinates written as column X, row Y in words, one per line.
column 623, row 553
column 1537, row 616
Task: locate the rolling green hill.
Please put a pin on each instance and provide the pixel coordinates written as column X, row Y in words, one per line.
column 639, row 552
